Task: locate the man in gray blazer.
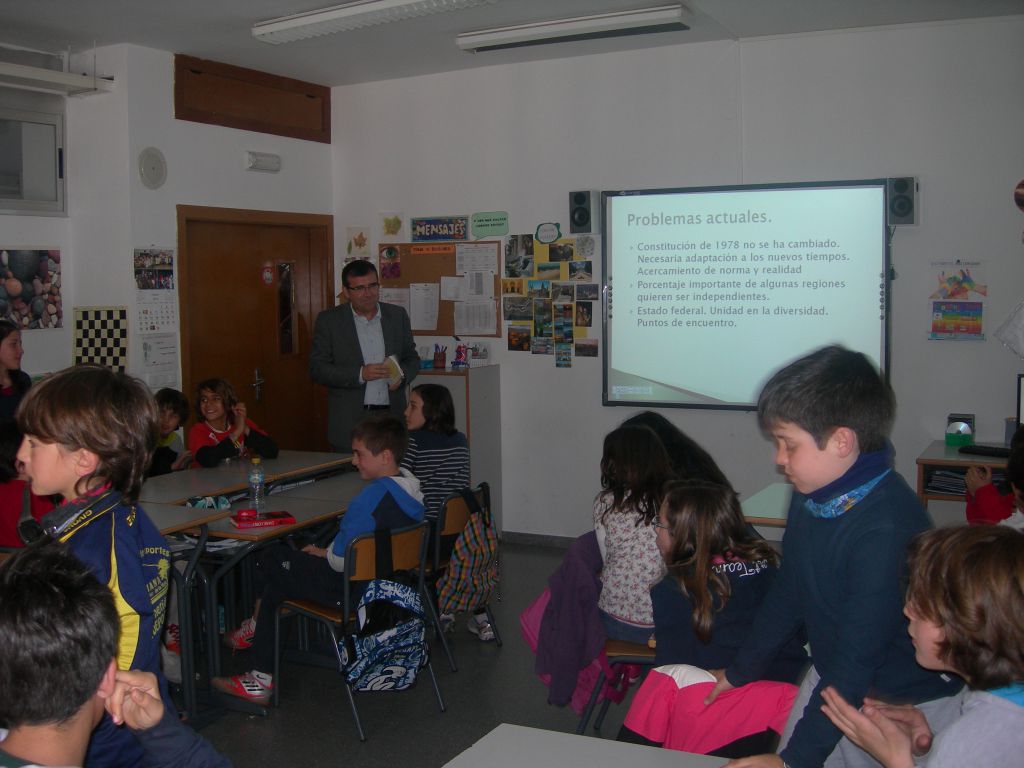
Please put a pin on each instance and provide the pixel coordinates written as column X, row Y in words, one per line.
column 350, row 344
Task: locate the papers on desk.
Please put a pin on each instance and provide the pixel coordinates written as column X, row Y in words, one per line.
column 185, row 543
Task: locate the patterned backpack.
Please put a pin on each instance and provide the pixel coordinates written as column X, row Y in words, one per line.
column 390, row 647
column 472, row 572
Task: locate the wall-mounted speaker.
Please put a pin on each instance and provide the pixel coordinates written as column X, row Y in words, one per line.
column 901, row 201
column 584, row 212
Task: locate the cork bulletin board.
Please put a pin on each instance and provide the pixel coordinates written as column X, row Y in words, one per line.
column 402, row 264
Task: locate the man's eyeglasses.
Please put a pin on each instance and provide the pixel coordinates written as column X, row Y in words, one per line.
column 363, row 288
column 659, row 524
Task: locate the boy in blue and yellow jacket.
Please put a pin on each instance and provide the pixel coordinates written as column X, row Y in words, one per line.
column 89, row 435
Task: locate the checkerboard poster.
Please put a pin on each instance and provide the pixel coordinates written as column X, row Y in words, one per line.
column 101, row 337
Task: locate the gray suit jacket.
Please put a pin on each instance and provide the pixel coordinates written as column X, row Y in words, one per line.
column 335, row 359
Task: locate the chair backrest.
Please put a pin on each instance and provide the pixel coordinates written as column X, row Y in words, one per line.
column 453, row 519
column 408, row 553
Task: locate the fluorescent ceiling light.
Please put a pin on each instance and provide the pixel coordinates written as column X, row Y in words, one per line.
column 663, row 18
column 353, row 15
column 39, row 79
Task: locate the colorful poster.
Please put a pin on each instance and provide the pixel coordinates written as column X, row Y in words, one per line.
column 519, row 256
column 519, row 338
column 439, row 228
column 957, row 320
column 581, row 270
column 512, row 286
column 31, row 282
column 957, row 301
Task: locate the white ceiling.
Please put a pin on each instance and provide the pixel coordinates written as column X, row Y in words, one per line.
column 220, row 30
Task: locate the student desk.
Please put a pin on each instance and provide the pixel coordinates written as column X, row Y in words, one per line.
column 170, row 518
column 769, row 506
column 330, row 489
column 225, row 479
column 307, row 512
column 514, row 746
column 939, row 456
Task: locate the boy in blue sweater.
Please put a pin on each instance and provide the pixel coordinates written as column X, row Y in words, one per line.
column 850, row 520
column 392, row 499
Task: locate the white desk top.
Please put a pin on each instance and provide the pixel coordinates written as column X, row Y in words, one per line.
column 769, row 506
column 339, row 487
column 306, row 512
column 515, row 746
column 938, row 452
column 171, row 518
column 176, row 487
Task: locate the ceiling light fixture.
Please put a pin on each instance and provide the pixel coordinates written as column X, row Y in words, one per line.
column 353, row 15
column 664, row 18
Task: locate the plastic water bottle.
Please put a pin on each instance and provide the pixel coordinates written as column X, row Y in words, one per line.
column 256, row 485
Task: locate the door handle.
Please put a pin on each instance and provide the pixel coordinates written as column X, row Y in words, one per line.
column 257, row 384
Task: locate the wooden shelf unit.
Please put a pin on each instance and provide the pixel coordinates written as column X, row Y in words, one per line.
column 937, row 456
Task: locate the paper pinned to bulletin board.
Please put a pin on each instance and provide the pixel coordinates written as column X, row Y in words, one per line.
column 956, row 301
column 451, row 285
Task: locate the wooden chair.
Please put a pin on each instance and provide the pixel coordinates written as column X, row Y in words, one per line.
column 452, row 520
column 618, row 653
column 408, row 553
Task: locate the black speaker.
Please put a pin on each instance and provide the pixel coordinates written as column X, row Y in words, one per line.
column 584, row 212
column 901, row 201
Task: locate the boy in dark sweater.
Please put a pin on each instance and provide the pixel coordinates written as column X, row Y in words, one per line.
column 850, row 520
column 59, row 629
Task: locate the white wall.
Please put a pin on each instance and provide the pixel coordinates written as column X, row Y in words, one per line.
column 941, row 102
column 110, row 212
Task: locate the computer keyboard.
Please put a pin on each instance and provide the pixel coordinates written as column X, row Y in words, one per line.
column 999, row 451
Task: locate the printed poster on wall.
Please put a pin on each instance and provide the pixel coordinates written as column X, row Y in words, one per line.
column 30, row 287
column 956, row 302
column 550, row 285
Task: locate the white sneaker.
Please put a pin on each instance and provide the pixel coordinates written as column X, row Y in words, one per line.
column 481, row 627
column 171, row 664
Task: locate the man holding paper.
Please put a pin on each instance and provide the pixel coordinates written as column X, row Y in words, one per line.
column 363, row 352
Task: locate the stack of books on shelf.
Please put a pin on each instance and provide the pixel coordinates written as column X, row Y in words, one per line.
column 951, row 481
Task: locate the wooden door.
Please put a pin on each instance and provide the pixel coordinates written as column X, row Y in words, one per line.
column 252, row 284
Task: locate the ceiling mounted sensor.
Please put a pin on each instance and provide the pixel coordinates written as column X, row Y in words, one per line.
column 663, row 18
column 353, row 15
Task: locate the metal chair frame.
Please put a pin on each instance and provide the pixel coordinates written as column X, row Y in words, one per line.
column 618, row 653
column 408, row 553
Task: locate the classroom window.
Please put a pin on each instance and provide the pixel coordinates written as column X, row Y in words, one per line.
column 31, row 162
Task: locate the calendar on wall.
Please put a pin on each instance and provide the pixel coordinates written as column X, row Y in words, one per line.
column 158, row 314
column 156, row 298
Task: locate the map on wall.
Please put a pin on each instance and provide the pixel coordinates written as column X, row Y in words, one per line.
column 30, row 287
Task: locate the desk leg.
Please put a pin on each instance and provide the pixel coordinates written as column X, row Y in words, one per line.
column 184, row 582
column 213, row 651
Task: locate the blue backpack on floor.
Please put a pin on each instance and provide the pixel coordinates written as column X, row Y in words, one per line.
column 391, row 647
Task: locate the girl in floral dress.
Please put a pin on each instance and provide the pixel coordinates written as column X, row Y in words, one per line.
column 634, row 469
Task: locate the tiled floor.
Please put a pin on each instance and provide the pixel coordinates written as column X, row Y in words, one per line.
column 313, row 726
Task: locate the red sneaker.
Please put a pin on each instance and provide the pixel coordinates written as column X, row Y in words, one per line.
column 172, row 641
column 241, row 638
column 244, row 687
